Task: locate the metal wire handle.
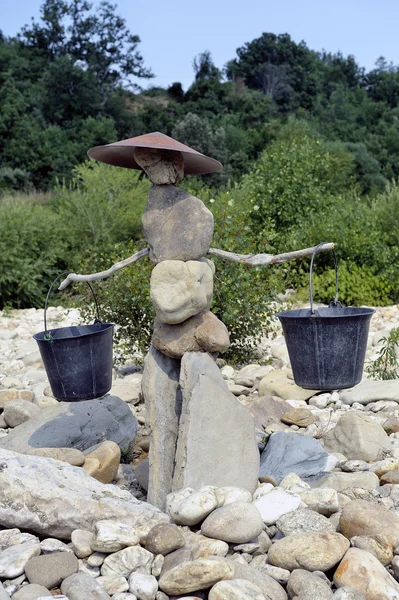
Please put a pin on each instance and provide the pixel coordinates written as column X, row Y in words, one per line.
column 335, row 302
column 47, row 335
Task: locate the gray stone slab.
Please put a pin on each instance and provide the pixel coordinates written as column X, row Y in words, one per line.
column 76, row 425
column 216, row 442
column 293, row 453
column 371, row 391
column 162, row 397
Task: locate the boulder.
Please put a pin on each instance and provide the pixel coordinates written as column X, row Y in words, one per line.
column 293, row 453
column 216, row 441
column 55, row 498
column 77, row 425
column 357, row 436
column 180, row 289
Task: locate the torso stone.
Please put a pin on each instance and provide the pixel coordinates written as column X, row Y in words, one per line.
column 176, row 225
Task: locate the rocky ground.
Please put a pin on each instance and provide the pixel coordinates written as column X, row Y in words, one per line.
column 75, row 523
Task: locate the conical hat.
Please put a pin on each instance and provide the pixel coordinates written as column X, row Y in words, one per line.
column 120, row 154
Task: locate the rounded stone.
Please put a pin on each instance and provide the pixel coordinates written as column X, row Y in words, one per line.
column 235, row 589
column 164, row 538
column 311, row 551
column 69, row 455
column 275, row 504
column 192, row 576
column 143, row 586
column 108, row 455
column 303, row 584
column 31, row 591
column 303, row 521
column 235, row 494
column 196, row 507
column 298, row 416
column 180, row 289
column 238, row 523
column 50, row 570
column 360, row 517
column 17, row 412
column 379, row 545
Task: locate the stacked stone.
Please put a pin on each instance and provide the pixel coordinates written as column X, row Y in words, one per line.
column 179, row 384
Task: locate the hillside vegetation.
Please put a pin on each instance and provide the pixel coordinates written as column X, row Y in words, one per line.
column 309, row 142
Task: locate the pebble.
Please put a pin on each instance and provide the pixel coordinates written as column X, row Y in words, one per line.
column 324, row 501
column 302, row 417
column 198, row 574
column 31, row 591
column 312, row 551
column 13, row 559
column 113, row 585
column 81, row 587
column 194, row 508
column 108, row 455
column 50, row 570
column 164, row 538
column 378, row 545
column 81, row 542
column 235, row 589
column 19, row 411
column 275, row 504
column 238, row 523
column 111, row 535
column 124, row 562
column 235, row 494
column 303, row 521
column 143, row 586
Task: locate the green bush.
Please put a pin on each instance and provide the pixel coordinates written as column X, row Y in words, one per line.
column 386, row 366
column 32, row 252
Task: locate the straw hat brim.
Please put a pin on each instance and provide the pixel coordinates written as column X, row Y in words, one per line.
column 120, row 154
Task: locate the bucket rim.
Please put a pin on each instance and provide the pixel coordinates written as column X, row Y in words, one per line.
column 305, row 313
column 72, row 337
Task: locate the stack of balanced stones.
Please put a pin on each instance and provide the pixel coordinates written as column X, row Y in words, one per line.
column 182, row 384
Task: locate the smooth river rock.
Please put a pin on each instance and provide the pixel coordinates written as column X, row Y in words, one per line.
column 363, row 572
column 237, row 523
column 195, row 575
column 360, row 518
column 77, row 425
column 357, row 436
column 180, row 289
column 311, row 551
column 55, row 498
column 216, row 441
column 371, row 391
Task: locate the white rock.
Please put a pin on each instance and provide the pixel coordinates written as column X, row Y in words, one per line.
column 193, row 509
column 143, row 586
column 50, row 545
column 275, row 504
column 111, row 536
column 82, row 540
column 14, row 559
column 236, row 589
column 323, row 500
column 113, row 585
column 77, row 500
column 227, row 372
column 239, row 522
column 262, row 490
column 235, row 494
column 180, row 289
column 124, row 562
column 293, row 483
column 87, row 569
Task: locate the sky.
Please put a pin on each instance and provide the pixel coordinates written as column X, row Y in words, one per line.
column 173, row 32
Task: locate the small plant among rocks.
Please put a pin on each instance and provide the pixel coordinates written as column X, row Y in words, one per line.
column 386, row 366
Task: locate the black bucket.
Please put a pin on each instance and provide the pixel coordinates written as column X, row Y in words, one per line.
column 78, row 360
column 326, row 346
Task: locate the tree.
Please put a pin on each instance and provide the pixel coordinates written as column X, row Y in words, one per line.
column 204, row 67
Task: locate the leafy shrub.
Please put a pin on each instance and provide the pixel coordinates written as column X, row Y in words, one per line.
column 357, row 286
column 32, row 252
column 386, row 366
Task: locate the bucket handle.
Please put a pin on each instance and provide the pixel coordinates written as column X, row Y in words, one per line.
column 47, row 335
column 334, row 302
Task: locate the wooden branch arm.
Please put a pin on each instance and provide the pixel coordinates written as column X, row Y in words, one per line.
column 267, row 259
column 103, row 274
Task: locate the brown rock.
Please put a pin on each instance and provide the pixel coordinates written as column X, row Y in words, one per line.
column 198, row 574
column 69, row 455
column 8, row 395
column 318, row 551
column 164, row 538
column 378, row 545
column 202, row 332
column 361, row 571
column 298, row 416
column 391, row 425
column 267, row 410
column 161, row 166
column 391, row 477
column 364, row 518
column 108, row 455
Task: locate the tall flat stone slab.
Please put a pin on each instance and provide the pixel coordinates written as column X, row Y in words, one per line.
column 162, row 395
column 176, row 225
column 216, row 442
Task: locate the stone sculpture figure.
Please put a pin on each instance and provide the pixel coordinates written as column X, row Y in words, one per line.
column 201, row 434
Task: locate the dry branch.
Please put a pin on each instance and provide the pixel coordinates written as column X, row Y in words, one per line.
column 103, row 274
column 267, row 259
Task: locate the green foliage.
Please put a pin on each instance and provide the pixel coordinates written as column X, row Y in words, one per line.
column 357, row 286
column 32, row 252
column 386, row 366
